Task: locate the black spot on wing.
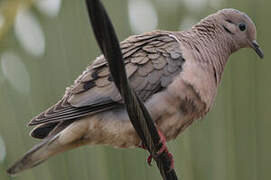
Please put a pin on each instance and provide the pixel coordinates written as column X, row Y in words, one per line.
column 88, row 85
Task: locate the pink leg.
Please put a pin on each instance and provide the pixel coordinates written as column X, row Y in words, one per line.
column 161, row 150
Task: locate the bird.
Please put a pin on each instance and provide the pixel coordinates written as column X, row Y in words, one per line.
column 175, row 73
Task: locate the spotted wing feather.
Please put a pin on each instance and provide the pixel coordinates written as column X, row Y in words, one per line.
column 152, row 60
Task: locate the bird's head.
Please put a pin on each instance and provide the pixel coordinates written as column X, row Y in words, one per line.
column 241, row 28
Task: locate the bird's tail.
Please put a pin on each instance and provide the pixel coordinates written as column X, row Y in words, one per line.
column 38, row 154
column 68, row 138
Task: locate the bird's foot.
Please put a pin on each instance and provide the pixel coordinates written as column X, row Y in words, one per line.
column 149, row 160
column 163, row 149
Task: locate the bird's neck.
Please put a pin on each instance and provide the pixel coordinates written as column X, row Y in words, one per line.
column 209, row 45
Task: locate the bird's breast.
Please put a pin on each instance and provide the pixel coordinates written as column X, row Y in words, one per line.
column 181, row 106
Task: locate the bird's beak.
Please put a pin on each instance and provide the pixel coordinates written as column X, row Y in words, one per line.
column 257, row 49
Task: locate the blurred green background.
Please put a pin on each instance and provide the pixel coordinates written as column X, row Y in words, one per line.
column 46, row 44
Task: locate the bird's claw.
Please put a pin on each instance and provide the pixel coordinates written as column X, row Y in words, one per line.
column 162, row 150
column 149, row 160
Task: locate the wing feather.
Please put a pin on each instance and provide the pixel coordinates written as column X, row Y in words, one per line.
column 152, row 60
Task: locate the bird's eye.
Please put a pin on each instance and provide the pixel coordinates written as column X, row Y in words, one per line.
column 242, row 26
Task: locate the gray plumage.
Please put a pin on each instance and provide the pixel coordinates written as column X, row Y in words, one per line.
column 176, row 74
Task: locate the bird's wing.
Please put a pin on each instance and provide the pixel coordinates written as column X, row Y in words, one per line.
column 152, row 60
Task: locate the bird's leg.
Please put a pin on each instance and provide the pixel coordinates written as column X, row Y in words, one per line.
column 163, row 149
column 149, row 160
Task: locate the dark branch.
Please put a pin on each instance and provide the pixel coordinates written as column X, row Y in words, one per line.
column 139, row 116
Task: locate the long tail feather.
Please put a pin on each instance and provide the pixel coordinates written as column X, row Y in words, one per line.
column 35, row 156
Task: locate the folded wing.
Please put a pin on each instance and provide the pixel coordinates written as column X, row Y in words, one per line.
column 152, row 60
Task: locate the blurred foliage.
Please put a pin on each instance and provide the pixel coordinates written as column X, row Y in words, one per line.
column 9, row 10
column 232, row 142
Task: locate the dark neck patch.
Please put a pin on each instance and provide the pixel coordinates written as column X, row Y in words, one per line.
column 227, row 30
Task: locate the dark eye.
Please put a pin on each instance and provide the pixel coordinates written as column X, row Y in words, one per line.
column 242, row 26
